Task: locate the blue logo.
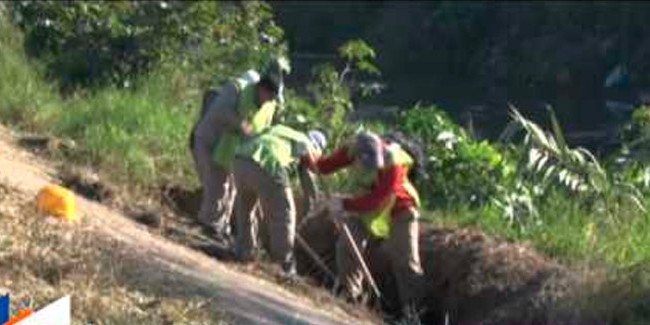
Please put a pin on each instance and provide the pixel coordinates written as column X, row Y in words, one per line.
column 4, row 308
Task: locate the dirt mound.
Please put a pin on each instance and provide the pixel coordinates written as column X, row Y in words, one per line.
column 87, row 184
column 471, row 278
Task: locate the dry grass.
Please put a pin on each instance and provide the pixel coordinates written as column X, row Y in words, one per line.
column 42, row 261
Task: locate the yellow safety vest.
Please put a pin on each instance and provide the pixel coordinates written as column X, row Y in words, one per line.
column 378, row 222
column 276, row 148
column 260, row 117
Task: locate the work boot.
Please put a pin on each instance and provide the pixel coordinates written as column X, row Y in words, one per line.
column 288, row 273
column 344, row 293
column 240, row 256
column 218, row 234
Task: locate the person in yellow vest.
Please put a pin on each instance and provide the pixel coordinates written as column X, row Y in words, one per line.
column 241, row 108
column 386, row 209
column 262, row 170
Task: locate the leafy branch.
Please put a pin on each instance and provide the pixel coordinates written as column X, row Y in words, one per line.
column 548, row 161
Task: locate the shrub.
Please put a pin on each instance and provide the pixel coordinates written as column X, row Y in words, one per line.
column 462, row 169
column 87, row 43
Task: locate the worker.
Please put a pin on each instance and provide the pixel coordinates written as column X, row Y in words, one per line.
column 262, row 170
column 239, row 109
column 386, row 210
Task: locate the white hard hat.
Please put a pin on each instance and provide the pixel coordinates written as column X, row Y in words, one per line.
column 251, row 76
column 318, row 138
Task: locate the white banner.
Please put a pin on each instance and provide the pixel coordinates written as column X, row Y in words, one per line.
column 56, row 313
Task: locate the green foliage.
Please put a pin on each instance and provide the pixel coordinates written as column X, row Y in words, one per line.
column 359, row 57
column 111, row 42
column 634, row 157
column 25, row 98
column 331, row 93
column 550, row 162
column 137, row 136
column 462, row 170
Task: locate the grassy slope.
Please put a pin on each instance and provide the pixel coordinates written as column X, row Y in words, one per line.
column 570, row 232
column 137, row 136
column 128, row 135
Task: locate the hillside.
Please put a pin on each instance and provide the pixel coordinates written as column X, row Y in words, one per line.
column 118, row 271
column 526, row 227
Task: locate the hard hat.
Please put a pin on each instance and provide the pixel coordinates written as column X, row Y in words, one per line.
column 369, row 150
column 318, row 138
column 57, row 201
column 250, row 76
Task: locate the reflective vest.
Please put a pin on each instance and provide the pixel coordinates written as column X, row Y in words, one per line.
column 276, row 148
column 378, row 221
column 259, row 117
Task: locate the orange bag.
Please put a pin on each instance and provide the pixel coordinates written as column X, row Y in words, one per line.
column 57, row 201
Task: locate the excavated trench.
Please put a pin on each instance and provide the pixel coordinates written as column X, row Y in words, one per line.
column 470, row 277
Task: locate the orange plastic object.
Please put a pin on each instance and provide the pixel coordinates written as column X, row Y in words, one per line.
column 20, row 315
column 57, row 201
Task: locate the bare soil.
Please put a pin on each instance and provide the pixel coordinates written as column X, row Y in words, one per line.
column 471, row 278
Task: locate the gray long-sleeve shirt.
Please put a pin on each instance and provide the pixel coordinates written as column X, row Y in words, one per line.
column 225, row 107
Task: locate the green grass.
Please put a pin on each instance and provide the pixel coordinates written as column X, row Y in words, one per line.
column 141, row 136
column 25, row 97
column 569, row 231
column 138, row 137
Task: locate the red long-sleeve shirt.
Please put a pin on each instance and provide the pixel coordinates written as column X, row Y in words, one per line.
column 390, row 180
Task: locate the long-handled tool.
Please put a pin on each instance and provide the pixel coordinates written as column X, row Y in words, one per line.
column 357, row 254
column 315, row 257
column 343, row 227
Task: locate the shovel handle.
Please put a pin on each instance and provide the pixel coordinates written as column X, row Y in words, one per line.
column 359, row 257
column 315, row 257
